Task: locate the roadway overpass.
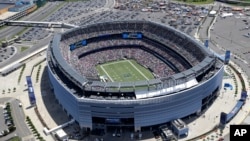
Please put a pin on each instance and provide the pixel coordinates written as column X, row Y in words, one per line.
column 38, row 24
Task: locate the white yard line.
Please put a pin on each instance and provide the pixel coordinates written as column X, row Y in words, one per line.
column 106, row 73
column 120, row 62
column 114, row 62
column 138, row 70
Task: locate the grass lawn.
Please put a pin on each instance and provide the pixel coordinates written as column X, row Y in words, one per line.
column 196, row 1
column 14, row 139
column 75, row 0
column 124, row 71
column 226, row 74
column 24, row 48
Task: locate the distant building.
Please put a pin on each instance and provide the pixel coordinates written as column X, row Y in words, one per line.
column 180, row 128
column 5, row 5
column 4, row 8
column 21, row 5
column 15, row 9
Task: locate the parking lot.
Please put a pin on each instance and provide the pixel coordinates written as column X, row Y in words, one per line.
column 3, row 119
column 15, row 117
column 6, row 53
column 66, row 12
column 228, row 34
column 183, row 17
column 75, row 9
column 36, row 34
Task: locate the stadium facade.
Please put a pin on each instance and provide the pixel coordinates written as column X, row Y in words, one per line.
column 190, row 85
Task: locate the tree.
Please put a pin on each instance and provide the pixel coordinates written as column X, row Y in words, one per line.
column 14, row 89
column 12, row 128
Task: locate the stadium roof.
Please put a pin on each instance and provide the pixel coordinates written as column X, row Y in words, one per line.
column 66, row 67
column 125, row 84
column 178, row 87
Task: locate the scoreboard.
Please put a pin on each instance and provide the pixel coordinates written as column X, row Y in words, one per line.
column 131, row 35
column 77, row 45
column 227, row 56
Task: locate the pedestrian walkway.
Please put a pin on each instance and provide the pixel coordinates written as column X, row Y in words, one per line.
column 230, row 101
column 29, row 111
column 21, row 93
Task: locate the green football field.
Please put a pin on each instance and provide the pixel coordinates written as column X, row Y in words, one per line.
column 124, row 71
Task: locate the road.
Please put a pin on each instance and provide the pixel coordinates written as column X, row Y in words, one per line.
column 19, row 119
column 38, row 16
column 17, row 113
column 203, row 32
column 35, row 16
column 27, row 52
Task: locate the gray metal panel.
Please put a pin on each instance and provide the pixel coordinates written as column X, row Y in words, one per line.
column 209, row 59
column 97, row 84
column 61, row 61
column 206, row 62
column 112, row 85
column 154, row 81
column 141, row 83
column 188, row 72
column 127, row 84
column 64, row 96
column 197, row 68
column 178, row 76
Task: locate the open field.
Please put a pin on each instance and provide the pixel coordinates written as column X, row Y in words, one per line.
column 124, row 71
column 196, row 2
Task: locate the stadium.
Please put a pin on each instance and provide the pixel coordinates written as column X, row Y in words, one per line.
column 132, row 74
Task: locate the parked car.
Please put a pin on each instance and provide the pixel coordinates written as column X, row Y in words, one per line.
column 5, row 111
column 7, row 117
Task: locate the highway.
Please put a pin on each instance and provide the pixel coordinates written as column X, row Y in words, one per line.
column 39, row 16
column 35, row 16
column 25, row 53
